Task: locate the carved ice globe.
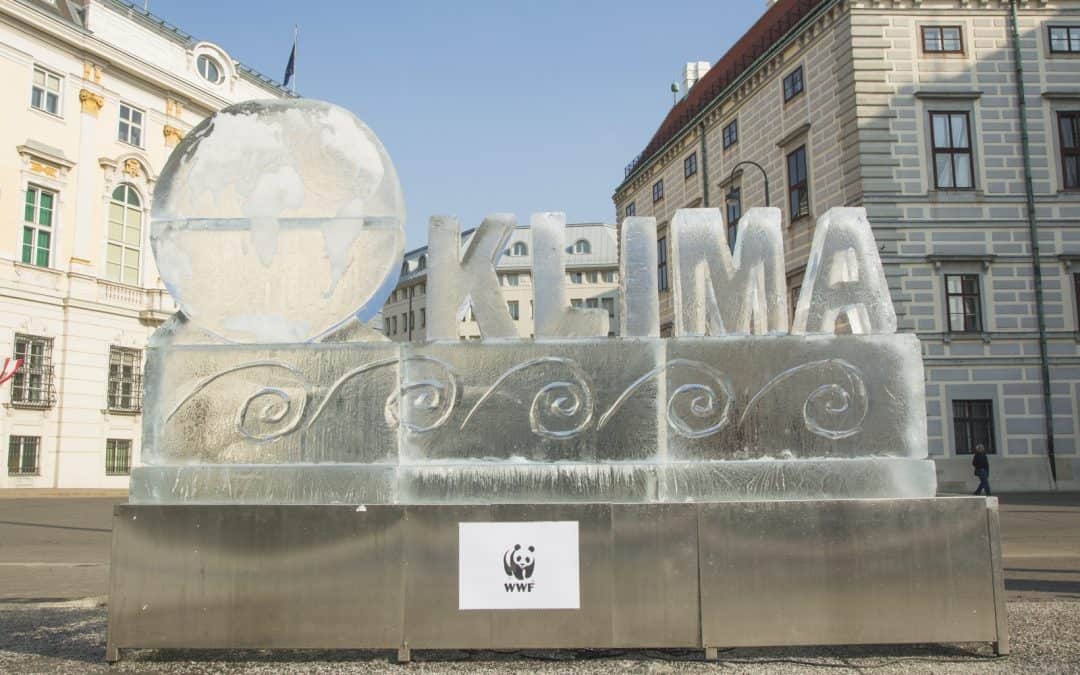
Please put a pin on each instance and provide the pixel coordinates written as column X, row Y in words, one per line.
column 278, row 221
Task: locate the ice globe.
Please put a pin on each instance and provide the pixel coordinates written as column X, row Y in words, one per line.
column 278, row 221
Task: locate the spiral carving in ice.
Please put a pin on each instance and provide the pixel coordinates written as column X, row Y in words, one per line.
column 833, row 410
column 429, row 402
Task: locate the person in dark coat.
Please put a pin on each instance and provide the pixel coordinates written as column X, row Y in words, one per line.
column 982, row 469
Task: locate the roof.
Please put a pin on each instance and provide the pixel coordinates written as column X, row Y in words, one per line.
column 69, row 11
column 776, row 23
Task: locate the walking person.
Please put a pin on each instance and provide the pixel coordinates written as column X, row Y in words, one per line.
column 982, row 469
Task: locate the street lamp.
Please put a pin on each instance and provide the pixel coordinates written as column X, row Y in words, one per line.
column 731, row 195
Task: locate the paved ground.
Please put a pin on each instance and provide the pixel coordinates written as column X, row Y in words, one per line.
column 54, row 570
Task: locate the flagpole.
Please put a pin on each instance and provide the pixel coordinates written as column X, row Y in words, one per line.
column 295, row 38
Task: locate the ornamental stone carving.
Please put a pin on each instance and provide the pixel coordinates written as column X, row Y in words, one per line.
column 132, row 168
column 91, row 103
column 172, row 135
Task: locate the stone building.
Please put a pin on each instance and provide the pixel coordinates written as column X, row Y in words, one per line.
column 592, row 280
column 98, row 93
column 912, row 111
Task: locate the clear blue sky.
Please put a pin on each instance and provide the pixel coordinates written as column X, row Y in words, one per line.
column 514, row 106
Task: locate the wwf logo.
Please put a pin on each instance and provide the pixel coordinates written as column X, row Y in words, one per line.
column 519, row 563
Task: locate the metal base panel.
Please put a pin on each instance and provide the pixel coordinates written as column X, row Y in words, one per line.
column 723, row 574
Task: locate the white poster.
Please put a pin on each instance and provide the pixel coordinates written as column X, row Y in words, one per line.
column 529, row 565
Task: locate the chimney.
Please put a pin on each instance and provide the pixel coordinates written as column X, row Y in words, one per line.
column 692, row 72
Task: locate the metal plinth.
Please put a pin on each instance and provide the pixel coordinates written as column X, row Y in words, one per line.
column 707, row 575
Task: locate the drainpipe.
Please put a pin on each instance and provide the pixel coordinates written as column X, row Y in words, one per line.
column 1033, row 230
column 704, row 168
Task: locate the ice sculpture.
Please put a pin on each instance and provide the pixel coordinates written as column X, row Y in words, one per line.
column 264, row 218
column 275, row 223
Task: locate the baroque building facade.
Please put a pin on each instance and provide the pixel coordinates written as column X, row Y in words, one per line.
column 912, row 110
column 592, row 281
column 98, row 94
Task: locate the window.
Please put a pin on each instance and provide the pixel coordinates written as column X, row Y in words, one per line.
column 962, row 303
column 942, row 40
column 412, row 320
column 404, row 322
column 1065, row 39
column 208, row 69
column 592, row 303
column 117, row 457
column 22, row 459
column 731, row 134
column 1069, row 125
column 125, row 380
column 793, row 84
column 423, row 317
column 32, row 386
column 386, row 326
column 973, row 423
column 405, row 267
column 519, row 249
column 689, row 165
column 512, row 280
column 575, row 302
column 630, row 210
column 45, row 92
column 658, row 190
column 798, row 186
column 661, row 264
column 577, row 278
column 38, row 226
column 393, row 323
column 421, row 263
column 515, row 312
column 592, row 277
column 131, row 125
column 609, row 305
column 954, row 167
column 734, row 212
column 125, row 236
column 609, row 276
column 582, row 247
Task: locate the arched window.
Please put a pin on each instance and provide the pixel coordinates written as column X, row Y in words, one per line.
column 405, row 267
column 208, row 68
column 519, row 249
column 421, row 263
column 582, row 246
column 124, row 249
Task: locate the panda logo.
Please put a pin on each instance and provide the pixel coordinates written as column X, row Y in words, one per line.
column 519, row 563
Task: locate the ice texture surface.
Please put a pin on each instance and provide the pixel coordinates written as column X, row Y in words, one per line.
column 718, row 291
column 554, row 315
column 277, row 221
column 844, row 275
column 639, row 304
column 460, row 278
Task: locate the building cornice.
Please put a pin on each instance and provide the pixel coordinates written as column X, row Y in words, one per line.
column 949, row 94
column 1071, row 94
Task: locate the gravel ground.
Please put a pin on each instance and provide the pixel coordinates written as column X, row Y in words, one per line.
column 70, row 638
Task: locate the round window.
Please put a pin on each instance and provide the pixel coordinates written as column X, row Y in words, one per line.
column 209, row 69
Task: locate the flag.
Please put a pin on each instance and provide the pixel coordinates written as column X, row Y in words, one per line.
column 290, row 67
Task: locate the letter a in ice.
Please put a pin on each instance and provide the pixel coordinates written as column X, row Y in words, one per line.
column 844, row 275
column 554, row 315
column 719, row 292
column 458, row 279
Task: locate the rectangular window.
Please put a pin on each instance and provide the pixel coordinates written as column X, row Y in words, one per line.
column 117, row 457
column 32, row 386
column 609, row 276
column 793, row 84
column 609, row 305
column 412, row 320
column 631, row 209
column 45, row 91
column 131, row 125
column 1065, row 39
column 593, row 277
column 798, row 185
column 577, row 278
column 575, row 302
column 513, row 280
column 38, row 226
column 973, row 424
column 515, row 312
column 125, row 380
column 386, row 326
column 942, row 40
column 661, row 264
column 393, row 324
column 962, row 303
column 592, row 303
column 1069, row 125
column 404, row 322
column 423, row 318
column 731, row 134
column 658, row 190
column 23, row 455
column 689, row 165
column 734, row 212
column 954, row 167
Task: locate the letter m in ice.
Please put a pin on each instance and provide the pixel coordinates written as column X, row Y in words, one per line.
column 717, row 290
